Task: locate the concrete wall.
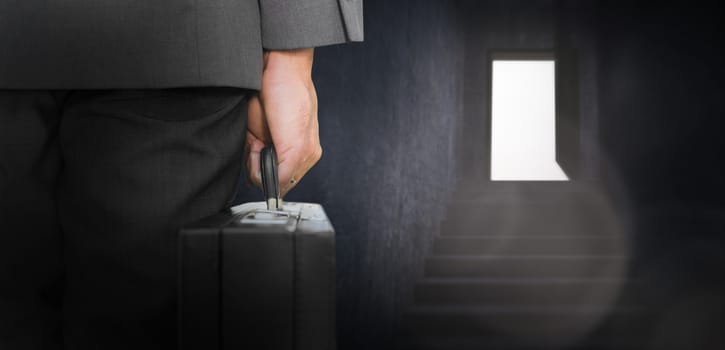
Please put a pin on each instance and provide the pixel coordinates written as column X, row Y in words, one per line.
column 661, row 124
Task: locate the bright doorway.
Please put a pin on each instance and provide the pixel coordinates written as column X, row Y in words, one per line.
column 523, row 120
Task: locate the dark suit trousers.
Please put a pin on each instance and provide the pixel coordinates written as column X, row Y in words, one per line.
column 94, row 186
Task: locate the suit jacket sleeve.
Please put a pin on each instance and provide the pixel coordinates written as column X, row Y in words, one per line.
column 293, row 24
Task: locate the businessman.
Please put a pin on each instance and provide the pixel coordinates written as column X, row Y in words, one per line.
column 121, row 121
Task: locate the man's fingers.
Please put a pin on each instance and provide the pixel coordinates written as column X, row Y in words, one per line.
column 257, row 136
column 254, row 107
column 256, row 120
column 287, row 182
column 290, row 176
column 294, row 166
column 254, row 147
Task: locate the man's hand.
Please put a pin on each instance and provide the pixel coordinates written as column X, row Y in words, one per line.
column 285, row 113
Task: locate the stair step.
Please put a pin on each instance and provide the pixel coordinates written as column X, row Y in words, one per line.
column 522, row 245
column 556, row 208
column 531, row 266
column 503, row 214
column 521, row 292
column 425, row 342
column 502, row 222
column 554, row 324
column 511, row 224
column 524, row 189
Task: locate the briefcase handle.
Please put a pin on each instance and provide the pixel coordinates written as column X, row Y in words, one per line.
column 270, row 179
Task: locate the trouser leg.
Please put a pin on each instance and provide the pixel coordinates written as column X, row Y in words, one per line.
column 30, row 239
column 138, row 165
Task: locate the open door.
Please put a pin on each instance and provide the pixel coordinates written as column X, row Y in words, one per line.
column 533, row 125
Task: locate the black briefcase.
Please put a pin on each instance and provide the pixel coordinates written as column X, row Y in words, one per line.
column 258, row 276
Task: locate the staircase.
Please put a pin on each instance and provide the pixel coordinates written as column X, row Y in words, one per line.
column 535, row 266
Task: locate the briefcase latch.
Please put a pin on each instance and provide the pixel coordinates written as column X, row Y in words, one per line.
column 262, row 216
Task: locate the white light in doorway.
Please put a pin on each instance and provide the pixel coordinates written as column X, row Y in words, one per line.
column 523, row 129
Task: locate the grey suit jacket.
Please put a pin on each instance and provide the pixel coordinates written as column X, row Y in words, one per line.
column 93, row 44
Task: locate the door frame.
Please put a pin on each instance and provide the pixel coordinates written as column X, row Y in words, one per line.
column 564, row 98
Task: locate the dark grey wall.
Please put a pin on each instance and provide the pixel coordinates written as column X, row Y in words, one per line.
column 389, row 108
column 661, row 125
column 396, row 109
